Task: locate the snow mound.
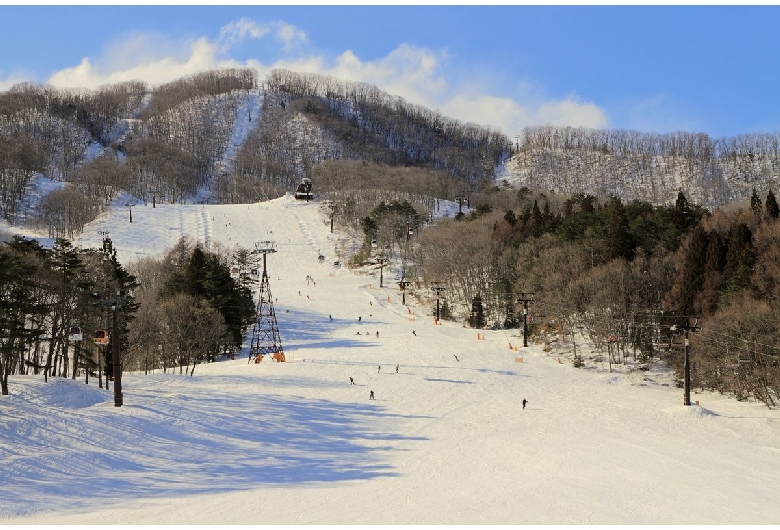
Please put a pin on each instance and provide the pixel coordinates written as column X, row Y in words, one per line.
column 65, row 394
column 693, row 411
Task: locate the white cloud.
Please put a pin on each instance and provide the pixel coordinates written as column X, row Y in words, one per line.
column 413, row 73
column 11, row 79
column 240, row 29
column 200, row 56
column 286, row 34
column 290, row 36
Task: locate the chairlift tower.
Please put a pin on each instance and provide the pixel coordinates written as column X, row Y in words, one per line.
column 438, row 288
column 684, row 325
column 525, row 299
column 402, row 284
column 265, row 333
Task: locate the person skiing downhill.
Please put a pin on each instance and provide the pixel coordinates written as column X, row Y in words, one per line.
column 371, row 395
column 351, row 381
column 524, row 403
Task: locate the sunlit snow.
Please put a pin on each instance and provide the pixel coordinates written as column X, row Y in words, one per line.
column 445, row 442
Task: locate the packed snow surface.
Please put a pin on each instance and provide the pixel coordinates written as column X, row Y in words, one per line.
column 446, row 441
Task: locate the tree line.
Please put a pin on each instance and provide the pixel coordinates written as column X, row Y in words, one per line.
column 176, row 312
column 651, row 167
column 622, row 275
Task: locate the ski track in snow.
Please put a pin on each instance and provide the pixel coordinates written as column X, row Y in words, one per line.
column 445, row 441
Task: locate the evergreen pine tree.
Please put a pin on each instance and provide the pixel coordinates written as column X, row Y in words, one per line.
column 620, row 244
column 772, row 209
column 537, row 222
column 755, row 203
column 682, row 213
column 195, row 274
column 706, row 301
column 688, row 281
column 740, row 257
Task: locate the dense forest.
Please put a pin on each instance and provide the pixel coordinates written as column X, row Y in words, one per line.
column 623, row 237
column 176, row 312
column 625, row 277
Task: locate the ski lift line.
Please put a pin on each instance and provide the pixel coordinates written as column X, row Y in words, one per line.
column 741, row 339
column 746, row 347
column 737, row 349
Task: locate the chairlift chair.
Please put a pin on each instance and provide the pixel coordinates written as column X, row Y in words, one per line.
column 75, row 333
column 101, row 337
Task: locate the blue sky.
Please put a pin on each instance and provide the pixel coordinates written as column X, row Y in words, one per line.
column 711, row 69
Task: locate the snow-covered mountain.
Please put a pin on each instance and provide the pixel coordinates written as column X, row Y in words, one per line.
column 446, row 441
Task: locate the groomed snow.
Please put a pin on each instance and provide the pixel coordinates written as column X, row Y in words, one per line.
column 445, row 442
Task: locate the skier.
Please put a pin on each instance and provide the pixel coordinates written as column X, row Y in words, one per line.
column 377, row 334
column 524, row 403
column 396, row 368
column 379, row 369
column 360, row 319
column 351, row 381
column 330, row 317
column 371, row 395
column 456, row 358
column 414, row 333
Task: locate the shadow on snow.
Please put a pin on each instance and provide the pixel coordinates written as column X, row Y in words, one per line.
column 208, row 438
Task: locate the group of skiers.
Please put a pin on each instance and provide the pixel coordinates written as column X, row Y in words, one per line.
column 378, row 370
column 309, row 280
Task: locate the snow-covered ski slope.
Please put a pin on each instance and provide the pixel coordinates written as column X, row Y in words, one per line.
column 446, row 441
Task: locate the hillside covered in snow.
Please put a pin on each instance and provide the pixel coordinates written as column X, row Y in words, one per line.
column 447, row 439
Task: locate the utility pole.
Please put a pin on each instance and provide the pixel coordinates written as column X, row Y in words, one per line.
column 686, row 327
column 381, row 259
column 525, row 299
column 115, row 358
column 332, row 207
column 119, row 301
column 438, row 288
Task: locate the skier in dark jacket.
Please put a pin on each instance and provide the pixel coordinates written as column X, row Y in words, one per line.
column 371, row 395
column 524, row 403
